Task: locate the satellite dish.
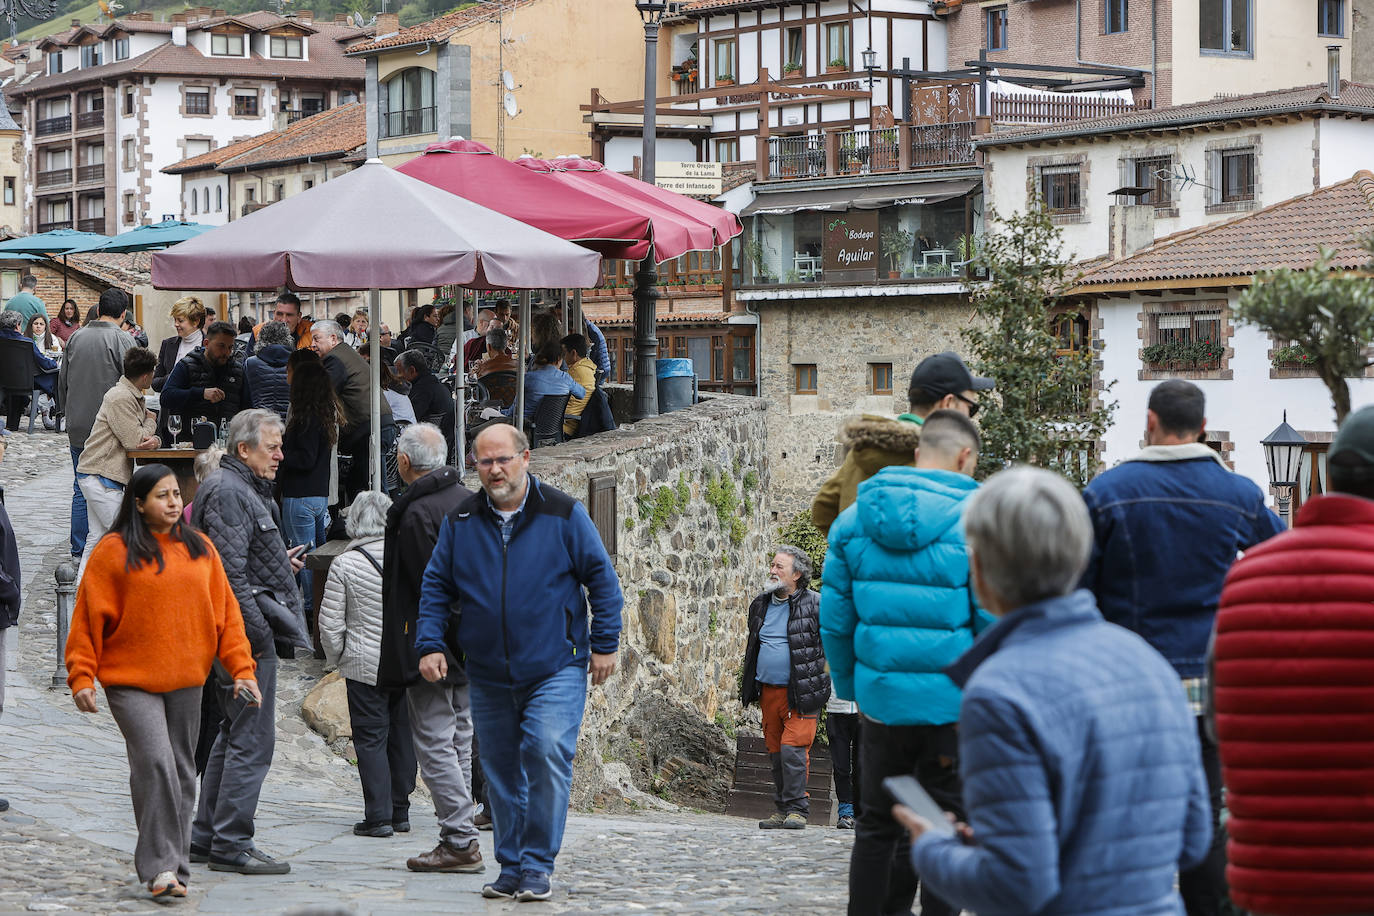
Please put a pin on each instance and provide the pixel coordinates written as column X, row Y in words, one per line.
column 508, row 80
column 358, row 20
column 511, row 108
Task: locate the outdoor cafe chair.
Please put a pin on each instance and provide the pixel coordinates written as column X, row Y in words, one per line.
column 17, row 372
column 499, row 386
column 547, row 421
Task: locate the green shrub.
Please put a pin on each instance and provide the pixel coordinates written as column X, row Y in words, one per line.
column 799, row 532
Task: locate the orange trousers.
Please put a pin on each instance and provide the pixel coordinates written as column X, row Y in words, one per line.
column 784, row 725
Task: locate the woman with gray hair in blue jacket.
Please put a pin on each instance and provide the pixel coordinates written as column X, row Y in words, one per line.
column 1082, row 773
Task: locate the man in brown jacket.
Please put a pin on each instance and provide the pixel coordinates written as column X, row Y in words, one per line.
column 940, row 382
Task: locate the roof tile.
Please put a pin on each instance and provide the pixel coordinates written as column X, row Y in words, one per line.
column 1290, row 234
column 440, row 29
column 331, row 133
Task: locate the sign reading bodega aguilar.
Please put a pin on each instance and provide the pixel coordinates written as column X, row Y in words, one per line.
column 850, row 246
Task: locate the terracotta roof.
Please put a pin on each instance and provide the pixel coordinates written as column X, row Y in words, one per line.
column 124, row 271
column 327, row 62
column 737, row 174
column 1355, row 98
column 711, row 6
column 1288, row 234
column 328, row 135
column 610, row 313
column 440, row 29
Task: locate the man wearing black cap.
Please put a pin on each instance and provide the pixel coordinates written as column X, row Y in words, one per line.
column 940, row 382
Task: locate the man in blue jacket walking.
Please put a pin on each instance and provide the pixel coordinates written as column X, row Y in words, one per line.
column 513, row 561
column 895, row 610
column 1167, row 526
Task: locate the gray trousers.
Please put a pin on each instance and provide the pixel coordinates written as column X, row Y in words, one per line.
column 160, row 739
column 441, row 722
column 238, row 764
column 790, row 767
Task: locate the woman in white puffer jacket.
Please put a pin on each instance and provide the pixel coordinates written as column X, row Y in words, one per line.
column 351, row 635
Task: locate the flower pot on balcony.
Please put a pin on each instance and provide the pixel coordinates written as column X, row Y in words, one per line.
column 894, row 274
column 677, row 76
column 836, row 68
column 725, row 81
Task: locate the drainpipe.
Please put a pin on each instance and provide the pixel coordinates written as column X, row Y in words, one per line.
column 1078, row 45
column 758, row 351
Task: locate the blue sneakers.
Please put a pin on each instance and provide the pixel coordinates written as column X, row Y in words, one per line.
column 504, row 887
column 534, row 886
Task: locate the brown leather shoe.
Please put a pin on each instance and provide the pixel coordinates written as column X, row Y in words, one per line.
column 448, row 858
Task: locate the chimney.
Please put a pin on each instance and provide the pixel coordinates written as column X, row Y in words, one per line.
column 340, row 17
column 306, row 15
column 388, row 24
column 1130, row 228
column 143, row 16
column 179, row 18
column 179, row 30
column 76, row 23
column 1333, row 71
column 217, row 14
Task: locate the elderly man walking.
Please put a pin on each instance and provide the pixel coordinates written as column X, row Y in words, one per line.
column 234, row 506
column 1082, row 782
column 439, row 713
column 91, row 365
column 1167, row 526
column 515, row 559
column 896, row 609
column 785, row 673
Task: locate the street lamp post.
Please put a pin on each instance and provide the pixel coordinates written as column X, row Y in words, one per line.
column 1282, row 457
column 646, row 277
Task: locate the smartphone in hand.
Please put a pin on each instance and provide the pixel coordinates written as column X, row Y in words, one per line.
column 296, row 551
column 907, row 791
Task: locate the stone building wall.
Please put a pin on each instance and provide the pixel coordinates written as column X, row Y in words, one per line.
column 842, row 338
column 690, row 538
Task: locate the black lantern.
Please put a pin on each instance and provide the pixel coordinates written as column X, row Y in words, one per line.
column 1283, row 454
column 870, row 59
column 651, row 10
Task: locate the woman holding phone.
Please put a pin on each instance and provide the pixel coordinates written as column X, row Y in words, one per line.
column 153, row 612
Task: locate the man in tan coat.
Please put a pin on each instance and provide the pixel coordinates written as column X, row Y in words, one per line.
column 940, row 382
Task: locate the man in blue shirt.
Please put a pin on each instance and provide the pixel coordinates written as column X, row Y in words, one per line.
column 25, row 302
column 785, row 671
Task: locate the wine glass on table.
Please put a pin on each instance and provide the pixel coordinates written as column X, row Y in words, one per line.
column 174, row 426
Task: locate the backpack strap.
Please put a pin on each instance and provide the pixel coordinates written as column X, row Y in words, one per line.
column 370, row 558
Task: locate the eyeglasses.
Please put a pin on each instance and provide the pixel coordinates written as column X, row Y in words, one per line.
column 972, row 404
column 486, row 463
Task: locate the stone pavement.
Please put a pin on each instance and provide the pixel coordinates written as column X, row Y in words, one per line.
column 66, row 844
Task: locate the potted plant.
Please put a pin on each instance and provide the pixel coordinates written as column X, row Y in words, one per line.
column 790, row 68
column 896, row 246
column 1292, row 356
column 753, row 250
column 965, row 251
column 725, row 79
column 794, row 276
column 838, row 65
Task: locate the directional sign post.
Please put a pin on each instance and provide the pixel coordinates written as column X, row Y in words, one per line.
column 699, row 178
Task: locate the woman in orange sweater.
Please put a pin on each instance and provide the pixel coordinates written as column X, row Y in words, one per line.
column 153, row 612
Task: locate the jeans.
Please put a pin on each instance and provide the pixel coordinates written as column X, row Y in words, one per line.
column 1204, row 888
column 528, row 736
column 843, row 730
column 881, row 880
column 306, row 520
column 80, row 526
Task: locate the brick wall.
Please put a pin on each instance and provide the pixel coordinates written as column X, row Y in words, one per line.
column 49, row 289
column 1044, row 33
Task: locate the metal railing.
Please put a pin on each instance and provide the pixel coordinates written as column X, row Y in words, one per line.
column 796, row 157
column 87, row 173
column 942, row 144
column 92, row 224
column 87, row 119
column 297, row 114
column 54, row 177
column 407, row 122
column 49, row 227
column 865, row 151
column 48, row 126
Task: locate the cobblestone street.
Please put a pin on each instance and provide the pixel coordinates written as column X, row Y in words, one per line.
column 67, row 840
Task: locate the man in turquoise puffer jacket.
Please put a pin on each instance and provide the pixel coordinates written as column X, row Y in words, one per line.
column 896, row 609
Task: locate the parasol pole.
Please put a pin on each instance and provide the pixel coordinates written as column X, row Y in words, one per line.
column 374, row 349
column 460, row 394
column 520, row 365
column 64, row 276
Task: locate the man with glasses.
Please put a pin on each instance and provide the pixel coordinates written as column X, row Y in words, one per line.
column 940, row 382
column 515, row 558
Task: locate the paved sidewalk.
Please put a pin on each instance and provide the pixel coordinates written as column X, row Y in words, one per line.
column 67, row 842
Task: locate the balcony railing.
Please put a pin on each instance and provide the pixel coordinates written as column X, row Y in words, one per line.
column 88, row 173
column 54, row 177
column 49, row 227
column 48, row 126
column 92, row 224
column 296, row 114
column 862, row 152
column 89, row 119
column 408, row 122
column 806, row 269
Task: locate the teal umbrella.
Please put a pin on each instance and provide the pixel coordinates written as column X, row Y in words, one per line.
column 58, row 241
column 144, row 238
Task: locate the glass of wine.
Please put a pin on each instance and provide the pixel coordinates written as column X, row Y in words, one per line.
column 174, row 426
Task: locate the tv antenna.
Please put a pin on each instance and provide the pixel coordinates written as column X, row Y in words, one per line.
column 1181, row 176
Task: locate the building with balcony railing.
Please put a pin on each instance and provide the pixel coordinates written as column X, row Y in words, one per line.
column 112, row 103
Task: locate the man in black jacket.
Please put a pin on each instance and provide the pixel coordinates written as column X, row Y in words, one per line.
column 440, row 713
column 352, row 380
column 208, row 382
column 10, row 595
column 784, row 670
column 266, row 368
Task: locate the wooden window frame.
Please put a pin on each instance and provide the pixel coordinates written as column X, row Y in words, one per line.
column 284, row 39
column 732, row 70
column 876, row 373
column 1070, row 179
column 805, row 378
column 845, row 30
column 227, row 37
column 1225, row 158
column 1162, row 196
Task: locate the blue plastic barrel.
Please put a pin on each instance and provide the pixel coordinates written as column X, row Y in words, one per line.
column 676, row 384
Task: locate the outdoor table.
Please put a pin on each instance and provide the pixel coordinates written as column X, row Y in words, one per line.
column 318, row 561
column 182, row 461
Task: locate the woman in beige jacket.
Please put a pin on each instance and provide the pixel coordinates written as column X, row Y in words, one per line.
column 122, row 424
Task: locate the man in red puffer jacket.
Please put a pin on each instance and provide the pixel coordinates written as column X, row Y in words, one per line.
column 1294, row 700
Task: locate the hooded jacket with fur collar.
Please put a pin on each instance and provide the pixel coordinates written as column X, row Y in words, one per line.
column 874, row 443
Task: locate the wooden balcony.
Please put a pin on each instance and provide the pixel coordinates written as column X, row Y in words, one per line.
column 864, row 152
column 89, row 119
column 88, row 174
column 49, row 227
column 49, row 126
column 93, row 224
column 54, row 178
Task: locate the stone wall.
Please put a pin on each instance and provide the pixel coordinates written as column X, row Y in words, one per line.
column 690, row 536
column 842, row 338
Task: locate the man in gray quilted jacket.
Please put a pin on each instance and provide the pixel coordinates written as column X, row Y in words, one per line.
column 234, row 507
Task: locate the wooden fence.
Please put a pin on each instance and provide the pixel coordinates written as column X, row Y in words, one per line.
column 1016, row 108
